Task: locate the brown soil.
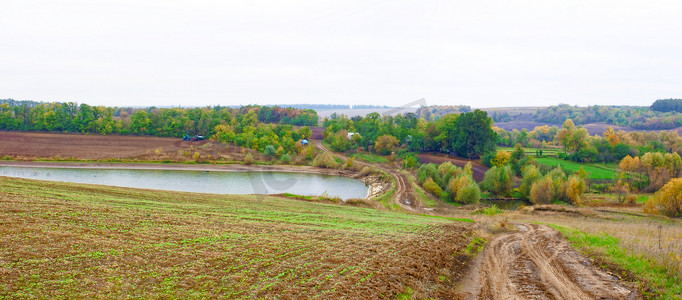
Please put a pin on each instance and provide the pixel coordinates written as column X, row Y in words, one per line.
column 439, row 158
column 43, row 145
column 536, row 262
column 55, row 146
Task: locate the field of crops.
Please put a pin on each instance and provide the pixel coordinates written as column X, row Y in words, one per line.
column 594, row 171
column 71, row 240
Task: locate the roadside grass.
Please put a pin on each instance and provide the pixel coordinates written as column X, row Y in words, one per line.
column 371, row 158
column 421, row 195
column 664, row 284
column 68, row 240
column 594, row 171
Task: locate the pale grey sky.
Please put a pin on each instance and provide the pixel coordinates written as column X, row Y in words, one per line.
column 478, row 53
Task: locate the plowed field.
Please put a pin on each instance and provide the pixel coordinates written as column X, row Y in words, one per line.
column 83, row 241
column 81, row 146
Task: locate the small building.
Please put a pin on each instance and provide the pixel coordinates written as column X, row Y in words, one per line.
column 351, row 134
column 304, row 142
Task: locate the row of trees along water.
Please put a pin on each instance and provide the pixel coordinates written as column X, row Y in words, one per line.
column 170, row 122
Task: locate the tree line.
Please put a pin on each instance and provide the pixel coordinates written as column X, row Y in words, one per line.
column 467, row 135
column 579, row 146
column 169, row 122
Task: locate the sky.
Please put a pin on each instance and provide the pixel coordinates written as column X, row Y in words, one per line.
column 477, row 53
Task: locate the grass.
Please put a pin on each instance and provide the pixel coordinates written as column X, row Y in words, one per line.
column 371, row 158
column 533, row 151
column 421, row 195
column 82, row 241
column 664, row 284
column 594, row 171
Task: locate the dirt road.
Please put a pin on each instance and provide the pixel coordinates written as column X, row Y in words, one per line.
column 403, row 196
column 537, row 263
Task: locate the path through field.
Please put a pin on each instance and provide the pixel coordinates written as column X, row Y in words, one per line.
column 537, row 263
column 403, row 196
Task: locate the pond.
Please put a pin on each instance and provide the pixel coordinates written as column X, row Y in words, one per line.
column 216, row 182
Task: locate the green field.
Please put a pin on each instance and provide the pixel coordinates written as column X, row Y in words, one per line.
column 62, row 240
column 372, row 158
column 533, row 151
column 594, row 171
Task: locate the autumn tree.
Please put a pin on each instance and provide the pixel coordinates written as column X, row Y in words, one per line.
column 668, row 200
column 385, row 144
column 501, row 158
column 573, row 139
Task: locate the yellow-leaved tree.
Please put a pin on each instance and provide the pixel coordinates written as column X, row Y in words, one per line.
column 668, row 200
column 501, row 158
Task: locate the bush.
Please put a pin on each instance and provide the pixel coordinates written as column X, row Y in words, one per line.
column 432, row 187
column 573, row 189
column 531, row 174
column 248, row 159
column 324, row 160
column 285, row 159
column 426, row 171
column 542, row 191
column 668, row 200
column 498, row 180
column 269, row 151
column 410, row 161
column 468, row 194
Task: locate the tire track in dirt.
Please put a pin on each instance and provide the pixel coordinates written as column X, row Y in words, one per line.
column 403, row 196
column 536, row 262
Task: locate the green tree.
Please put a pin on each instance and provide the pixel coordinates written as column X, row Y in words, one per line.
column 497, row 180
column 475, row 135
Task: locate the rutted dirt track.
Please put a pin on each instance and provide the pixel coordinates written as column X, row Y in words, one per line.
column 537, row 263
column 403, row 189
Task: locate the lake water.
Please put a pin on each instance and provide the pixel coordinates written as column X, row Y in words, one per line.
column 215, row 182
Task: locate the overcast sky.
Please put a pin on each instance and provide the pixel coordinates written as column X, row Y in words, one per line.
column 477, row 53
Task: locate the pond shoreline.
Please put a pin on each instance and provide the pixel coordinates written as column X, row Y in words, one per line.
column 183, row 167
column 369, row 181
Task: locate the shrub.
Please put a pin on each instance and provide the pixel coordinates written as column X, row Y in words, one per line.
column 410, row 161
column 426, row 171
column 324, row 160
column 573, row 189
column 269, row 151
column 542, row 191
column 668, row 200
column 469, row 193
column 630, row 198
column 285, row 159
column 498, row 180
column 531, row 174
column 432, row 187
column 248, row 159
